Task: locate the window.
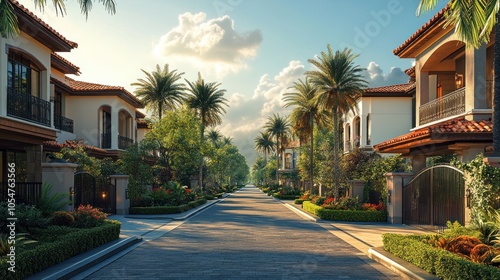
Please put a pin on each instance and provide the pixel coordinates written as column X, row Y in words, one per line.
column 23, row 75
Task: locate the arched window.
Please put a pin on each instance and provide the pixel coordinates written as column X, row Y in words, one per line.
column 23, row 75
column 105, row 124
column 368, row 130
column 357, row 132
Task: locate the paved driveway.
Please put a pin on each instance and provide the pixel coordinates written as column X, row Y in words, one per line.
column 246, row 236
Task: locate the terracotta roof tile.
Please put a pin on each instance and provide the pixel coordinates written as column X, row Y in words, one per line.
column 72, row 144
column 400, row 88
column 458, row 125
column 438, row 18
column 75, row 68
column 48, row 27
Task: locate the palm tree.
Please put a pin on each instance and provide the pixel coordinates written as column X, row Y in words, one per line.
column 160, row 90
column 214, row 136
column 306, row 111
column 339, row 82
column 278, row 127
column 474, row 22
column 9, row 26
column 208, row 101
column 227, row 140
column 264, row 144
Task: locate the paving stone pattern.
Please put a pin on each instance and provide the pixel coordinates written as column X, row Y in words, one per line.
column 246, row 236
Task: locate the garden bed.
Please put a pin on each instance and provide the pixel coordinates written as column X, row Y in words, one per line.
column 57, row 248
column 166, row 209
column 345, row 215
column 442, row 263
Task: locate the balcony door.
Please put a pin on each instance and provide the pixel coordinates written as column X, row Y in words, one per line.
column 106, row 128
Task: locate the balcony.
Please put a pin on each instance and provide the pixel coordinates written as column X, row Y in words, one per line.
column 28, row 107
column 124, row 142
column 63, row 123
column 449, row 105
column 106, row 140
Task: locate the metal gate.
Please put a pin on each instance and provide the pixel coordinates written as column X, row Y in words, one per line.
column 436, row 195
column 102, row 196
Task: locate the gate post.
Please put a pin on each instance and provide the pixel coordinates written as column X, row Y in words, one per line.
column 61, row 176
column 395, row 182
column 122, row 199
column 356, row 188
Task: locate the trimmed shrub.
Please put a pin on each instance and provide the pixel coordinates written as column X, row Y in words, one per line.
column 166, row 209
column 62, row 218
column 298, row 201
column 88, row 216
column 345, row 215
column 443, row 264
column 44, row 255
column 284, row 196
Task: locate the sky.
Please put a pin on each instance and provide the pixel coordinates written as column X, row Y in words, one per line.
column 255, row 49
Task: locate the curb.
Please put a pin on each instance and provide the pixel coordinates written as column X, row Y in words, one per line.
column 171, row 217
column 403, row 268
column 92, row 260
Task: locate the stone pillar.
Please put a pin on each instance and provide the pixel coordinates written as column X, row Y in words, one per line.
column 61, row 175
column 33, row 163
column 418, row 163
column 356, row 188
column 122, row 199
column 395, row 183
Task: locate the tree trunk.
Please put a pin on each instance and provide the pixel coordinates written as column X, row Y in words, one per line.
column 201, row 165
column 277, row 159
column 336, row 153
column 496, row 89
column 311, row 159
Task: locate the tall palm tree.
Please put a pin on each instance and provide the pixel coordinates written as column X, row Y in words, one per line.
column 339, row 83
column 278, row 127
column 214, row 136
column 306, row 112
column 227, row 140
column 474, row 21
column 160, row 90
column 208, row 101
column 9, row 26
column 264, row 144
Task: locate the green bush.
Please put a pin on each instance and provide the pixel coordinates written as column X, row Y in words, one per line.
column 166, row 209
column 88, row 216
column 50, row 201
column 298, row 201
column 62, row 218
column 442, row 263
column 345, row 215
column 285, row 196
column 44, row 255
column 28, row 218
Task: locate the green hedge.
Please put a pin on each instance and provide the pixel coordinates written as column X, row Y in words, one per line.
column 166, row 209
column 442, row 263
column 45, row 255
column 285, row 196
column 298, row 201
column 345, row 215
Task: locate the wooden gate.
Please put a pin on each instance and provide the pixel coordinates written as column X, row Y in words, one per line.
column 87, row 191
column 436, row 195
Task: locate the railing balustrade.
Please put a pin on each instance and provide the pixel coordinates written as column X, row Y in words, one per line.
column 106, row 140
column 24, row 192
column 124, row 142
column 28, row 107
column 63, row 123
column 449, row 105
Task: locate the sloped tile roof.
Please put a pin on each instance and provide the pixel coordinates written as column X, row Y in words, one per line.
column 42, row 23
column 454, row 126
column 72, row 144
column 66, row 64
column 436, row 19
column 400, row 90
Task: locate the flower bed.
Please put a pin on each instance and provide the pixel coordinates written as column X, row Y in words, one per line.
column 167, row 209
column 444, row 264
column 66, row 243
column 345, row 215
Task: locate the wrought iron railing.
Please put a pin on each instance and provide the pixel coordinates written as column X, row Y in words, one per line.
column 28, row 107
column 449, row 105
column 106, row 140
column 27, row 193
column 124, row 142
column 63, row 123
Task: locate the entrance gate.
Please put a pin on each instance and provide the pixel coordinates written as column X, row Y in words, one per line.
column 436, row 195
column 99, row 196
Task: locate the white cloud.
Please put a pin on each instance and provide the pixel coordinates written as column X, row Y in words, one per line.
column 214, row 43
column 375, row 76
column 246, row 116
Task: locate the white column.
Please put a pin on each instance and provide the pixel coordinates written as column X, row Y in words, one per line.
column 475, row 78
column 395, row 183
column 61, row 176
column 122, row 199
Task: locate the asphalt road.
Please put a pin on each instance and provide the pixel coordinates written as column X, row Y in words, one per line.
column 246, row 236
